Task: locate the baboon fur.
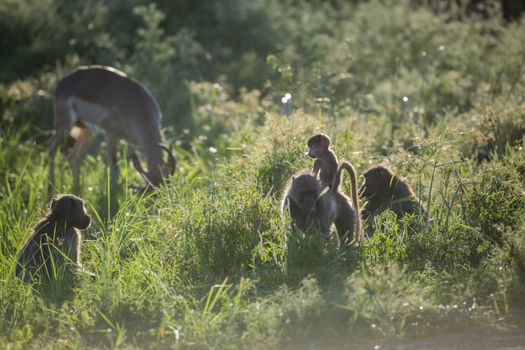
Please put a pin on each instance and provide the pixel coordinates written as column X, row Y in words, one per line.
column 325, row 164
column 313, row 207
column 384, row 190
column 55, row 240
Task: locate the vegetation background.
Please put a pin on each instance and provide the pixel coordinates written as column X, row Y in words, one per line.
column 435, row 92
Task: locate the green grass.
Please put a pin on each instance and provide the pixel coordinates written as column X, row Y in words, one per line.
column 208, row 261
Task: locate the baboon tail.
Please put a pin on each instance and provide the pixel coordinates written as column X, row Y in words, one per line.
column 355, row 199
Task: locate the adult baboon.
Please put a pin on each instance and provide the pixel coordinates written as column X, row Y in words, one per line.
column 302, row 198
column 314, row 207
column 384, row 190
column 55, row 241
column 325, row 163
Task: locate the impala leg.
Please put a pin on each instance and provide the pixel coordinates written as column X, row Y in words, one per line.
column 83, row 138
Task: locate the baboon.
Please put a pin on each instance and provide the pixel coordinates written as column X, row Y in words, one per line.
column 384, row 190
column 325, row 164
column 312, row 206
column 302, row 199
column 55, row 240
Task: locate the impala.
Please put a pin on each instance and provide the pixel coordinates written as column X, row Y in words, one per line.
column 97, row 98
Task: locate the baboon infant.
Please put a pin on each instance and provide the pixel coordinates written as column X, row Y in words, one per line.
column 384, row 190
column 312, row 206
column 325, row 164
column 55, row 241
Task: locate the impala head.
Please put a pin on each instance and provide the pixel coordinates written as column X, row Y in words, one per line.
column 158, row 170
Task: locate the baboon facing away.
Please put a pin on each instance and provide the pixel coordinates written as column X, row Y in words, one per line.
column 55, row 241
column 312, row 206
column 384, row 190
column 325, row 164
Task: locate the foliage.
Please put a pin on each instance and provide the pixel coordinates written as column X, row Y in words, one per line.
column 208, row 260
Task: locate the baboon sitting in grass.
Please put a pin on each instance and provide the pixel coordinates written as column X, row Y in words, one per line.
column 55, row 242
column 313, row 207
column 383, row 190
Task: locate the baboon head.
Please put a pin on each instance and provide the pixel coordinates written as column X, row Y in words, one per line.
column 318, row 144
column 70, row 209
column 378, row 181
column 302, row 199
